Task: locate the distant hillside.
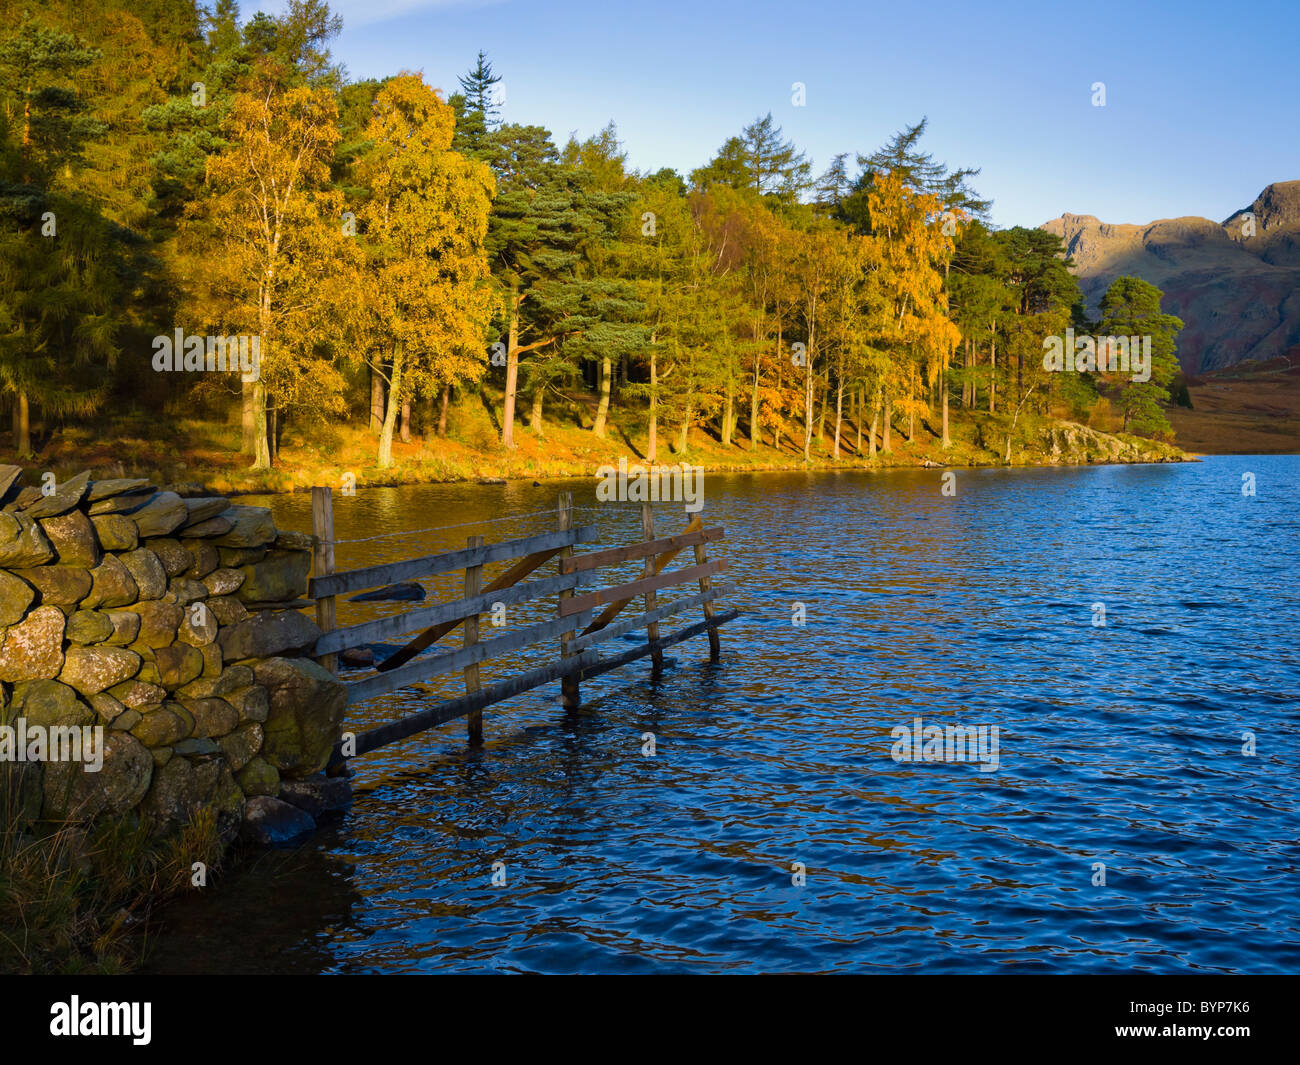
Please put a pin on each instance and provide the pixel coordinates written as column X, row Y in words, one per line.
column 1239, row 295
column 1252, row 408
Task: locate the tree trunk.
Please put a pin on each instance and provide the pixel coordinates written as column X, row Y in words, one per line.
column 535, row 415
column 406, row 419
column 248, row 412
column 993, row 367
column 871, row 441
column 390, row 412
column 683, row 434
column 943, row 398
column 824, row 391
column 376, row 401
column 808, row 409
column 911, row 425
column 512, row 371
column 427, row 417
column 442, row 414
column 753, row 409
column 22, row 424
column 858, row 401
column 261, row 445
column 602, row 411
column 652, row 446
column 885, row 449
column 839, row 416
column 728, row 416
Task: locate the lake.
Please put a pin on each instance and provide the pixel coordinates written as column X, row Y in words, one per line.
column 1119, row 744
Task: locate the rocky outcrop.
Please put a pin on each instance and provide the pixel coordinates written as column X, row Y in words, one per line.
column 164, row 625
column 1235, row 284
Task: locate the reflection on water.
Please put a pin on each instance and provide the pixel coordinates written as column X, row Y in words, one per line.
column 1120, row 745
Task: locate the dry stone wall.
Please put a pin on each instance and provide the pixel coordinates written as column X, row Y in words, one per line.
column 167, row 622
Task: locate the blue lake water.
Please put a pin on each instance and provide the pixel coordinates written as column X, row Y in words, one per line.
column 1120, row 745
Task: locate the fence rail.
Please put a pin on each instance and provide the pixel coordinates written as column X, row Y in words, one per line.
column 572, row 624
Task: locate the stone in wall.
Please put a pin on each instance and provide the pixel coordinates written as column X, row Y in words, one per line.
column 125, row 606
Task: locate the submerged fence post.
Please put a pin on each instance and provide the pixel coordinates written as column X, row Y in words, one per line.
column 322, row 527
column 706, row 585
column 570, row 698
column 652, row 630
column 473, row 685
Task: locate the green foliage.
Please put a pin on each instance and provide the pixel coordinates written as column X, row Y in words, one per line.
column 1131, row 307
column 699, row 297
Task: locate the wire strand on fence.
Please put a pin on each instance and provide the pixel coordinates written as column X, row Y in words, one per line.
column 460, row 525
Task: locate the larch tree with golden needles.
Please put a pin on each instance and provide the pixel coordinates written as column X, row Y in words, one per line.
column 919, row 337
column 428, row 298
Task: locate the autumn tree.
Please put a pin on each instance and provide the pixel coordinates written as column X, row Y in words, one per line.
column 427, row 304
column 276, row 222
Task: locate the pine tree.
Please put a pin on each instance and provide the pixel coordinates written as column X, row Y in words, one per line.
column 546, row 216
column 1131, row 308
column 477, row 106
column 760, row 159
column 62, row 268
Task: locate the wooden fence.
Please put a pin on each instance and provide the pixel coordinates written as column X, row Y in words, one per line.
column 583, row 618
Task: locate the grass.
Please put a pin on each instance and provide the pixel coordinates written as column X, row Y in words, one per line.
column 74, row 898
column 202, row 447
column 1251, row 408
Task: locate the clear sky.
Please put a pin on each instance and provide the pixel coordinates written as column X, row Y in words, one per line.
column 1202, row 108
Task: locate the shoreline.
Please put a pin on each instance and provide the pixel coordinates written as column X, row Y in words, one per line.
column 823, row 466
column 202, row 457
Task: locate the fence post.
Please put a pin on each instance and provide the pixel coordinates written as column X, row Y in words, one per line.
column 473, row 685
column 570, row 698
column 652, row 630
column 322, row 527
column 706, row 583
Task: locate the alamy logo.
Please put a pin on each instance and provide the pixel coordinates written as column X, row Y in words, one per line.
column 196, row 354
column 946, row 743
column 654, row 484
column 21, row 742
column 1091, row 354
column 102, row 1018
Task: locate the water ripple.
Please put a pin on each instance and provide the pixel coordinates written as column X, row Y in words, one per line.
column 1119, row 744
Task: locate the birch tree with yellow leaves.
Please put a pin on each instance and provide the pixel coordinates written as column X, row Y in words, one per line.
column 274, row 250
column 425, row 300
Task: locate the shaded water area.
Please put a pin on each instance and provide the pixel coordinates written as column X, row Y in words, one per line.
column 1120, row 744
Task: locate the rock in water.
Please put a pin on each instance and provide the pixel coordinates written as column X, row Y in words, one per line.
column 270, row 822
column 407, row 590
column 318, row 795
column 357, row 657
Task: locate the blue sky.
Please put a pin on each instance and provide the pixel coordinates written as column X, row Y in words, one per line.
column 1202, row 109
